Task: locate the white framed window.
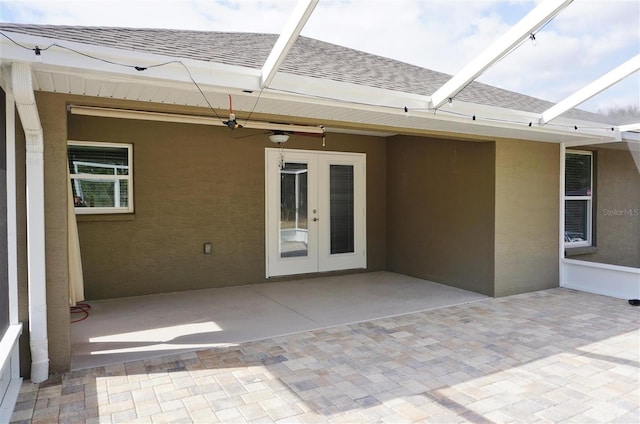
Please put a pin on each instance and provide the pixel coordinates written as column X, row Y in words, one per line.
column 578, row 199
column 101, row 177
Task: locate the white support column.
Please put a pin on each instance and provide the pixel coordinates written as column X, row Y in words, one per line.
column 9, row 350
column 499, row 49
column 584, row 94
column 289, row 34
column 561, row 276
column 12, row 235
column 26, row 103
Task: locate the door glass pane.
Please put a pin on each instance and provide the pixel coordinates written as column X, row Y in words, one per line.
column 293, row 210
column 341, row 205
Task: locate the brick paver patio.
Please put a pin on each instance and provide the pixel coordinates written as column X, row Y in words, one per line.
column 550, row 356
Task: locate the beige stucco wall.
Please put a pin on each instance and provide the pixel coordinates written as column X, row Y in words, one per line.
column 193, row 184
column 196, row 184
column 53, row 119
column 526, row 216
column 481, row 216
column 617, row 209
column 441, row 211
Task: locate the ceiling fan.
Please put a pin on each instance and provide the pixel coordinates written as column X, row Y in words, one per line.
column 280, row 136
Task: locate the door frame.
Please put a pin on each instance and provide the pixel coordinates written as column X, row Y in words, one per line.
column 319, row 162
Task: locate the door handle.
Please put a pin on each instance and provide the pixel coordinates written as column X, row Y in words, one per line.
column 315, row 219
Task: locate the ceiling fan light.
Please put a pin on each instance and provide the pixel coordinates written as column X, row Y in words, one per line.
column 279, row 138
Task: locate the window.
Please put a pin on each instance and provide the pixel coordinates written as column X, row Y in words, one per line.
column 578, row 199
column 101, row 177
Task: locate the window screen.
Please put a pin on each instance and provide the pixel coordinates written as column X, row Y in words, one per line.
column 100, row 177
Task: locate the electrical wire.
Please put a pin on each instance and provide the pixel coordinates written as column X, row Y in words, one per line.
column 199, row 89
column 255, row 105
column 38, row 50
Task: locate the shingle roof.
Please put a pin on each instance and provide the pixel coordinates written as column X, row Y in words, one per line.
column 308, row 57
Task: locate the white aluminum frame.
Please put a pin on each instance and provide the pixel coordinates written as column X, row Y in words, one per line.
column 288, row 37
column 590, row 90
column 504, row 45
column 9, row 349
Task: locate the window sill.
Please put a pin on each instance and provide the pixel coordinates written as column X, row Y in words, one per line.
column 105, row 217
column 577, row 251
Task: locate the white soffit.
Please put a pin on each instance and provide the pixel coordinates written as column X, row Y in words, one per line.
column 602, row 83
column 290, row 33
column 499, row 49
column 350, row 106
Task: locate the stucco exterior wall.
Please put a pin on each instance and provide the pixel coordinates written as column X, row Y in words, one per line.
column 526, row 216
column 53, row 119
column 195, row 184
column 441, row 211
column 617, row 209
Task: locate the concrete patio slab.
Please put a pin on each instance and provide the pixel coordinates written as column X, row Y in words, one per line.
column 141, row 327
column 551, row 356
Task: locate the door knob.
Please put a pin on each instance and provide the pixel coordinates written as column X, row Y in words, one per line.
column 315, row 219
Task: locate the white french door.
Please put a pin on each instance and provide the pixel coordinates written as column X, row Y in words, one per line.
column 315, row 211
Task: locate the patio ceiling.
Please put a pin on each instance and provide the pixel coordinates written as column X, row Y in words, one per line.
column 275, row 96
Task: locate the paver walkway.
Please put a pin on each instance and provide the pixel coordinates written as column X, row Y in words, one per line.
column 550, row 356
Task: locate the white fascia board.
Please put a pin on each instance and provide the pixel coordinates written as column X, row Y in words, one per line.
column 628, row 136
column 499, row 49
column 491, row 121
column 597, row 86
column 355, row 95
column 288, row 37
column 629, row 127
column 203, row 72
column 564, row 131
column 339, row 94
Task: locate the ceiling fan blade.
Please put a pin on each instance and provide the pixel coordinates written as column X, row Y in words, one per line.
column 306, row 134
column 252, row 135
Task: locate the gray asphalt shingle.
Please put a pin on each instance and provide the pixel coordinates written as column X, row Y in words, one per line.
column 308, row 57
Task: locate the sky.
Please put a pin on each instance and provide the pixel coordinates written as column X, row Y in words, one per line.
column 585, row 41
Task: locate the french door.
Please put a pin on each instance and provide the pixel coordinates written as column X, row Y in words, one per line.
column 315, row 211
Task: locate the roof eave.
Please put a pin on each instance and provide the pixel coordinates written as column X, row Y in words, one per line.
column 345, row 105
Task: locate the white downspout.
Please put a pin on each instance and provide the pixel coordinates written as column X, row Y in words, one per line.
column 26, row 104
